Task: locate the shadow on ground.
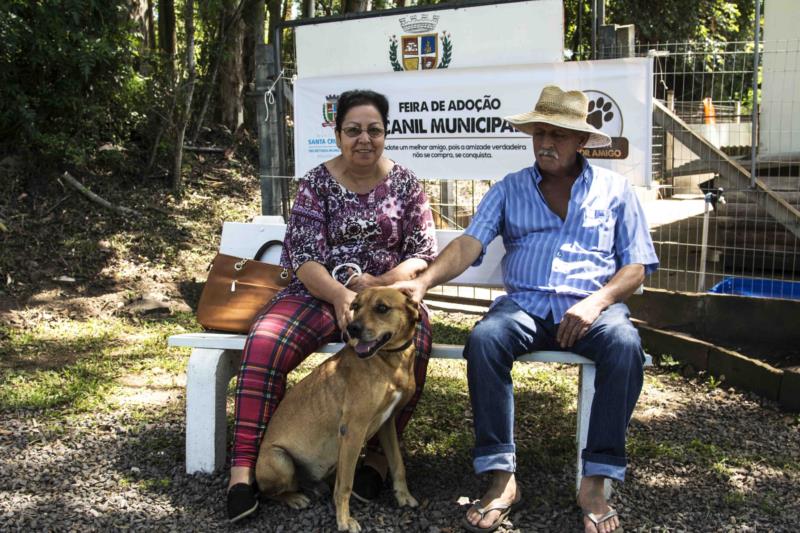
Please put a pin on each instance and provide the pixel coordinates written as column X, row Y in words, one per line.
column 701, row 459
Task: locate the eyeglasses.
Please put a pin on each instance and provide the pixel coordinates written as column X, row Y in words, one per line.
column 374, row 132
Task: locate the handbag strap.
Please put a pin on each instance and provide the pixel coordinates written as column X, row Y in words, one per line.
column 266, row 246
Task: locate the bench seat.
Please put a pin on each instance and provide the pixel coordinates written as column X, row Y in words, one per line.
column 216, row 356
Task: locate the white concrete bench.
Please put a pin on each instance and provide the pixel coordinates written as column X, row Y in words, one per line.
column 216, row 357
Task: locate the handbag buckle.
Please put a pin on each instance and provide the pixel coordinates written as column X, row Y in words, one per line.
column 240, row 265
column 284, row 274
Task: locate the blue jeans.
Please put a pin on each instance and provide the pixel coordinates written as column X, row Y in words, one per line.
column 505, row 333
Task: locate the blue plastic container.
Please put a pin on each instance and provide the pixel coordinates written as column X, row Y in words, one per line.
column 758, row 287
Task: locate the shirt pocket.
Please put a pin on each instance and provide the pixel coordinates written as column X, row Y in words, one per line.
column 597, row 229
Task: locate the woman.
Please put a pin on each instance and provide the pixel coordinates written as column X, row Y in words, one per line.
column 360, row 208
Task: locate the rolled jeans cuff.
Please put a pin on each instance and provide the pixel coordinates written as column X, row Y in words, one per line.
column 500, row 457
column 596, row 464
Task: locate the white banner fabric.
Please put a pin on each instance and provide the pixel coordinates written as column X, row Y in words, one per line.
column 447, row 124
column 469, row 36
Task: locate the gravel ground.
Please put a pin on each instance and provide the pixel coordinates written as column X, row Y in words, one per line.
column 702, row 459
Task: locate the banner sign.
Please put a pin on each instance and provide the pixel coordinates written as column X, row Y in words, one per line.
column 510, row 33
column 447, row 124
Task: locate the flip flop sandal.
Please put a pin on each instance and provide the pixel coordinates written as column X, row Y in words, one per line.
column 597, row 520
column 504, row 508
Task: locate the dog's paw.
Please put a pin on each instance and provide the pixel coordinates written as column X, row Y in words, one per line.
column 405, row 499
column 351, row 525
column 295, row 500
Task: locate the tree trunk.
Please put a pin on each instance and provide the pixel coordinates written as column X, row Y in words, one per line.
column 139, row 16
column 167, row 38
column 185, row 112
column 309, row 9
column 151, row 26
column 254, row 17
column 357, row 6
column 274, row 10
column 212, row 73
column 231, row 104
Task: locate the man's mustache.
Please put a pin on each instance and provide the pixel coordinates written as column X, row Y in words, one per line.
column 546, row 152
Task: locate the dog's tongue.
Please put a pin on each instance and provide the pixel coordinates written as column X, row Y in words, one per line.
column 363, row 348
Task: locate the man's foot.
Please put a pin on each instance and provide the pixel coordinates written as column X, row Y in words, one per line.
column 501, row 496
column 598, row 517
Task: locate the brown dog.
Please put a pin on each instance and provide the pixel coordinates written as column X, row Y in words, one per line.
column 324, row 420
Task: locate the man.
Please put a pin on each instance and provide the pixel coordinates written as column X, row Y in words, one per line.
column 577, row 245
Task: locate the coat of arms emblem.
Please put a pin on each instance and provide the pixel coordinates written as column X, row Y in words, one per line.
column 419, row 49
column 329, row 110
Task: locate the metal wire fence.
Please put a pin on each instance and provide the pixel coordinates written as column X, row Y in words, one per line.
column 721, row 219
column 724, row 220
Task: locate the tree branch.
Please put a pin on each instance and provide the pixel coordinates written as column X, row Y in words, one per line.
column 97, row 199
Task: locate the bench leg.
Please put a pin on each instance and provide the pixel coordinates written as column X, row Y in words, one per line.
column 207, row 377
column 585, row 399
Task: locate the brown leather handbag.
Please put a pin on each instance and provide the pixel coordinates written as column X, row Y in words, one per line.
column 238, row 288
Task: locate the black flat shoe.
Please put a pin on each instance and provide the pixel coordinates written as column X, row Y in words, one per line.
column 367, row 484
column 242, row 501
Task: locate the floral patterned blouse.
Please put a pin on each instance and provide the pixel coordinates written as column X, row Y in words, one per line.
column 377, row 230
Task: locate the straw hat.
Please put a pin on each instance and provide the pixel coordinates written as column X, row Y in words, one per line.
column 565, row 109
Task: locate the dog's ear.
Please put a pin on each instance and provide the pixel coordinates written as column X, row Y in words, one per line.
column 413, row 308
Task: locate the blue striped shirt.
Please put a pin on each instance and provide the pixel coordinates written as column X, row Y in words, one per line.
column 552, row 264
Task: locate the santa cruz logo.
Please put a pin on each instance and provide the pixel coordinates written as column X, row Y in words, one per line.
column 329, row 110
column 420, row 48
column 606, row 115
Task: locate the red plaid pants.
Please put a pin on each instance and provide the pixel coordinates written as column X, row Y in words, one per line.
column 282, row 336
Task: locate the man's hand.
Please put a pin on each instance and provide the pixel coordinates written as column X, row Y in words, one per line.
column 577, row 321
column 414, row 288
column 580, row 317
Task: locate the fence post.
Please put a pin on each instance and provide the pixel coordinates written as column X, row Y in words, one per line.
column 447, row 196
column 268, row 160
column 669, row 150
column 754, row 125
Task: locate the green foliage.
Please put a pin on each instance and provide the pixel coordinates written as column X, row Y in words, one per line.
column 685, row 20
column 673, row 21
column 713, row 382
column 578, row 33
column 67, row 80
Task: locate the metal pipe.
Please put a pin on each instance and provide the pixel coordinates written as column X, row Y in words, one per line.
column 701, row 280
column 594, row 29
column 754, row 124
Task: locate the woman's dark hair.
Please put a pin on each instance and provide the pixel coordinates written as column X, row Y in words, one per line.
column 351, row 99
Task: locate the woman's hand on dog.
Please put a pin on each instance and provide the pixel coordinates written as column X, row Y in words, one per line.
column 341, row 306
column 363, row 281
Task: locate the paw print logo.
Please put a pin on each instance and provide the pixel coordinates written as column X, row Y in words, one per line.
column 600, row 111
column 604, row 113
